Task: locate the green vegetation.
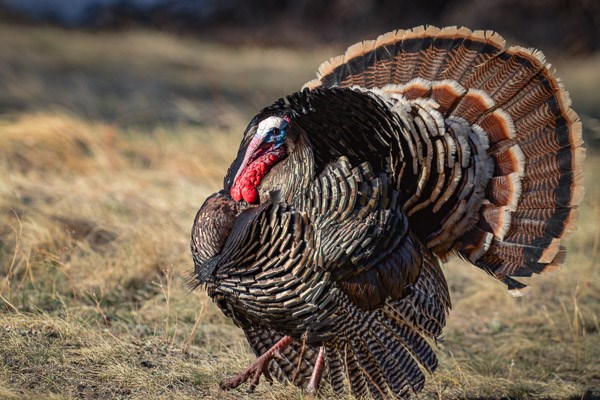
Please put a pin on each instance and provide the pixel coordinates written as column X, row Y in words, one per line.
column 109, row 143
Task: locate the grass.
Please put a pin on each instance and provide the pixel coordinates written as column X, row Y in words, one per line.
column 109, row 143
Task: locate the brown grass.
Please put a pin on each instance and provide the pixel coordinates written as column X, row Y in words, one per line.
column 97, row 200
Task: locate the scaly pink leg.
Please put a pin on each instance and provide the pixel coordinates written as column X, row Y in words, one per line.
column 315, row 378
column 259, row 367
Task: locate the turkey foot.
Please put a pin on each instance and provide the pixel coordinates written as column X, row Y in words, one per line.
column 259, row 367
column 315, row 378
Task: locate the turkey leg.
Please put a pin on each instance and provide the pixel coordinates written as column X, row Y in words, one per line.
column 259, row 367
column 315, row 378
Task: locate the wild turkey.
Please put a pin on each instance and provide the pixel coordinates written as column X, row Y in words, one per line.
column 325, row 243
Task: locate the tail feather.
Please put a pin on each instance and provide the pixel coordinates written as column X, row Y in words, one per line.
column 480, row 47
column 370, row 356
column 504, row 75
column 511, row 94
column 420, row 349
column 400, row 56
column 356, row 379
column 395, row 380
column 335, row 367
column 400, row 351
column 387, row 352
column 425, row 310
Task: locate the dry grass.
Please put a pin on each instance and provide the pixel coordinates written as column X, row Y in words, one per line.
column 108, row 145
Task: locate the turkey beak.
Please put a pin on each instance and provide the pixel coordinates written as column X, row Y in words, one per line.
column 254, row 144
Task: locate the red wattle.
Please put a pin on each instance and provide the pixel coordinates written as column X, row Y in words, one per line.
column 245, row 185
column 236, row 193
column 250, row 194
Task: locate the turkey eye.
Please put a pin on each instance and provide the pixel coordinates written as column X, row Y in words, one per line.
column 272, row 136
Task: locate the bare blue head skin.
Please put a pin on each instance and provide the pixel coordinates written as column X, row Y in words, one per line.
column 265, row 150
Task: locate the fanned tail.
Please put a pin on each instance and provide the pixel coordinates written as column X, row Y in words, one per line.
column 531, row 201
column 398, row 57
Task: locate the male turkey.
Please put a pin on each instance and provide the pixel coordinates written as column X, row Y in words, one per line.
column 325, row 243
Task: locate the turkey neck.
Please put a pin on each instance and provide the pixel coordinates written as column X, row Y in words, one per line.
column 292, row 176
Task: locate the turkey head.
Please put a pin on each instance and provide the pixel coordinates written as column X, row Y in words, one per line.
column 257, row 170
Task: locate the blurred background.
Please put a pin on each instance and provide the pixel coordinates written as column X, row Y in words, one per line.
column 571, row 26
column 567, row 32
column 118, row 118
